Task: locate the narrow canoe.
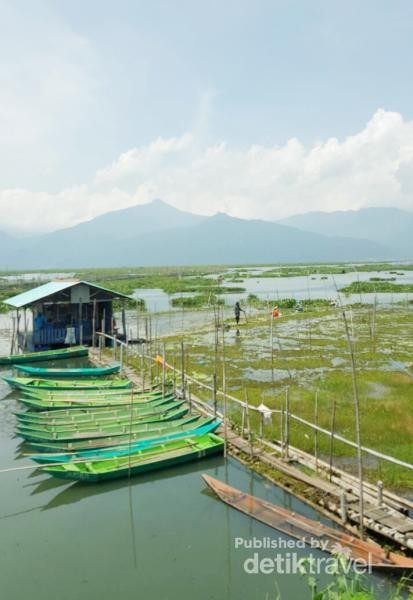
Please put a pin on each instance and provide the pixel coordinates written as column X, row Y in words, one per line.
column 192, row 430
column 72, row 352
column 100, row 420
column 74, row 415
column 149, row 459
column 307, row 530
column 145, row 431
column 70, row 384
column 68, row 373
column 98, row 432
column 55, row 405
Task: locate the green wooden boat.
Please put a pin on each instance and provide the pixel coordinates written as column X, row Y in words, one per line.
column 69, row 373
column 70, row 384
column 55, row 405
column 62, row 394
column 101, row 431
column 100, row 419
column 142, row 432
column 149, row 459
column 74, row 415
column 73, row 352
column 130, row 447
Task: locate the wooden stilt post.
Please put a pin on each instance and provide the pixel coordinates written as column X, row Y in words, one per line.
column 343, row 506
column 189, row 399
column 315, row 430
column 287, row 421
column 163, row 369
column 333, row 427
column 214, row 392
column 121, row 356
column 243, row 421
column 94, row 324
column 142, row 367
column 379, row 493
column 80, row 322
column 183, row 369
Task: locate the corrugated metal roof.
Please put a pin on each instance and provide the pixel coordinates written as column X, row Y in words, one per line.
column 48, row 289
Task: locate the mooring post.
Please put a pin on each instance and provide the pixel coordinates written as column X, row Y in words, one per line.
column 94, row 325
column 214, row 393
column 379, row 493
column 143, row 367
column 315, row 430
column 343, row 506
column 243, row 421
column 189, row 399
column 163, row 369
column 183, row 369
column 121, row 357
column 261, row 425
column 100, row 347
column 333, row 426
column 287, row 421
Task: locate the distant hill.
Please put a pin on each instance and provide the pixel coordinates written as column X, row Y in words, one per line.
column 391, row 227
column 158, row 234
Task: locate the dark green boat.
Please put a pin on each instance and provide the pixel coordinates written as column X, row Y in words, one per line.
column 68, row 373
column 150, row 459
column 73, row 352
column 96, row 432
column 71, row 384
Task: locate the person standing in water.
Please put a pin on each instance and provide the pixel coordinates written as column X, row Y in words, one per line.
column 237, row 311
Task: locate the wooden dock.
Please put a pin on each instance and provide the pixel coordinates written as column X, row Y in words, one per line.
column 386, row 515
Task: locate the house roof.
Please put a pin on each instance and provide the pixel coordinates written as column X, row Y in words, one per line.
column 53, row 287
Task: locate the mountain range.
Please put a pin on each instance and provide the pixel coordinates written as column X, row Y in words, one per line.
column 159, row 234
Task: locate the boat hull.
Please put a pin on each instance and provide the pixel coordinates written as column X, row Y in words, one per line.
column 45, row 355
column 67, row 373
column 120, row 469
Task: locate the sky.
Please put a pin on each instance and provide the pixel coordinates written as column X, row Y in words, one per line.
column 260, row 109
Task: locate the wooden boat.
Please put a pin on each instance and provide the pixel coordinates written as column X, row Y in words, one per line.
column 55, row 405
column 69, row 372
column 73, row 352
column 102, row 431
column 307, row 530
column 75, row 415
column 70, row 384
column 149, row 459
column 84, row 394
column 100, row 419
column 145, row 431
column 130, row 447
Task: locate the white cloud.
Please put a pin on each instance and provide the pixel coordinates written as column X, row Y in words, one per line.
column 373, row 167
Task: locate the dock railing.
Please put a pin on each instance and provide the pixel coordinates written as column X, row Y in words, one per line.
column 123, row 351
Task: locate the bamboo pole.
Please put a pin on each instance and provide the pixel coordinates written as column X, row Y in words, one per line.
column 224, row 387
column 287, row 421
column 163, row 369
column 358, row 426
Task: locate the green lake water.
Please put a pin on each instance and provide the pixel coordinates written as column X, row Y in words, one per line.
column 160, row 536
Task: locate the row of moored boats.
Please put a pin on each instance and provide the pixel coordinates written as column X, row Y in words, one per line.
column 89, row 424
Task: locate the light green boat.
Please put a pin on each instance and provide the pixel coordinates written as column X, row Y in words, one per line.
column 87, row 403
column 73, row 352
column 75, row 415
column 71, row 384
column 149, row 459
column 142, row 432
column 119, row 449
column 101, row 431
column 68, row 373
column 100, row 419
